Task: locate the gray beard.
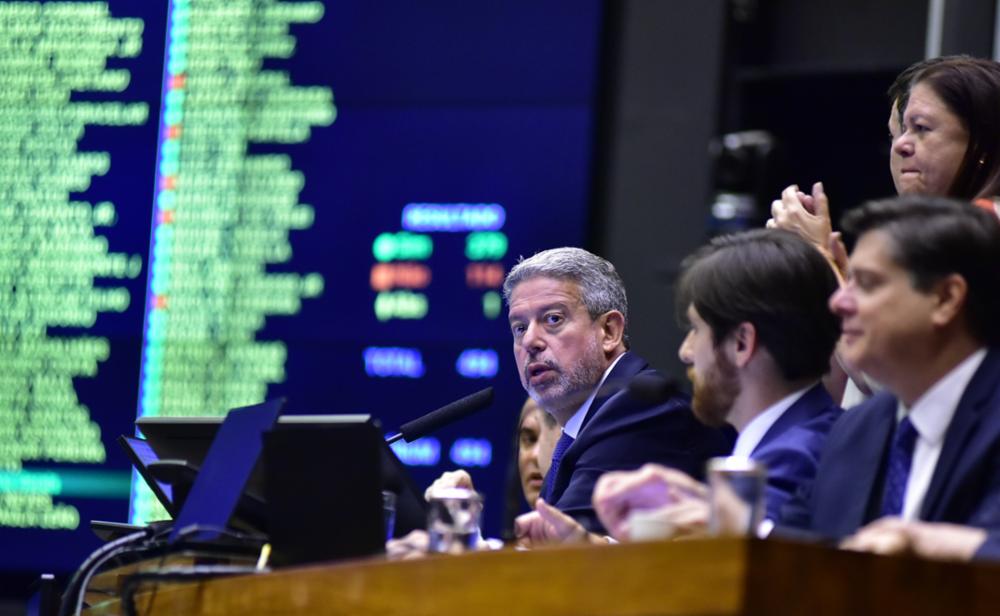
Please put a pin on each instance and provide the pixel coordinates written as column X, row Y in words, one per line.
column 564, row 396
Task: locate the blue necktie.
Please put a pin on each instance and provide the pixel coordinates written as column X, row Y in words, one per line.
column 898, row 470
column 557, row 455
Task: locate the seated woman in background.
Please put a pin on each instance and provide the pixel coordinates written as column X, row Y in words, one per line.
column 534, row 441
column 535, row 438
column 537, row 433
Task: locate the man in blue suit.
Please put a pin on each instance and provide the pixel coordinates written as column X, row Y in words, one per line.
column 920, row 315
column 760, row 338
column 568, row 317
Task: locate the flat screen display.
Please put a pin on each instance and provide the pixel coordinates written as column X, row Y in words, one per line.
column 210, row 203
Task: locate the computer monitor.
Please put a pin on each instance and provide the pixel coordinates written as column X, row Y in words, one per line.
column 324, row 498
column 188, row 438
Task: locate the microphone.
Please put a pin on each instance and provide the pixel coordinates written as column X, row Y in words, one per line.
column 653, row 387
column 421, row 426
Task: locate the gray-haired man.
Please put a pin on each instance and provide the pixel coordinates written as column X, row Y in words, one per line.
column 568, row 316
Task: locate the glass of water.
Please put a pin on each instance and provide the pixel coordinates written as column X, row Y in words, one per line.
column 736, row 495
column 453, row 520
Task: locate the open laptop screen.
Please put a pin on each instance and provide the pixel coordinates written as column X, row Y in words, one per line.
column 142, row 455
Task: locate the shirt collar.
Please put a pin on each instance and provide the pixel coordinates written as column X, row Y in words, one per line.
column 754, row 431
column 572, row 427
column 932, row 412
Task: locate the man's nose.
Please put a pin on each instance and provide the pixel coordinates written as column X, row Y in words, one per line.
column 685, row 352
column 533, row 340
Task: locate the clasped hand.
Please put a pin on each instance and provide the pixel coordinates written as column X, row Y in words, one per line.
column 677, row 502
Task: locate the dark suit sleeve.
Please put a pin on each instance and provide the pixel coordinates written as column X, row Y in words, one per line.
column 795, row 513
column 990, row 550
column 986, row 512
column 835, row 503
column 791, row 473
column 794, row 517
column 787, row 469
column 792, row 459
column 623, row 437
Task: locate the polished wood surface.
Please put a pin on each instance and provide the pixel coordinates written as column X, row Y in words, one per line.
column 725, row 576
column 107, row 584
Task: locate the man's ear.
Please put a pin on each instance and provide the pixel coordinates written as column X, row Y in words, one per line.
column 612, row 330
column 950, row 294
column 742, row 344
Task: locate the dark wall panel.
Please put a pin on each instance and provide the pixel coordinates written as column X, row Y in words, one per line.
column 657, row 172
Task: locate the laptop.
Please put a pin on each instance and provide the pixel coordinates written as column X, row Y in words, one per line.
column 142, row 455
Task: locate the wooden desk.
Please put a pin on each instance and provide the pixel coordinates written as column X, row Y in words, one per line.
column 107, row 584
column 725, row 576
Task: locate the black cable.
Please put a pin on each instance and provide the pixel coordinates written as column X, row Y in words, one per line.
column 179, row 574
column 151, row 537
column 73, row 596
column 147, row 546
column 153, row 533
column 131, row 584
column 159, row 566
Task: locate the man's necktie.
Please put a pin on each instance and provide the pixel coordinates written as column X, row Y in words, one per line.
column 898, row 470
column 557, row 455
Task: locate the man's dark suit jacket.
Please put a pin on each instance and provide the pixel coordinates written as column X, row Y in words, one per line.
column 621, row 432
column 791, row 447
column 990, row 550
column 965, row 485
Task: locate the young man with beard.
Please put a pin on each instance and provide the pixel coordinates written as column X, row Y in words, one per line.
column 760, row 339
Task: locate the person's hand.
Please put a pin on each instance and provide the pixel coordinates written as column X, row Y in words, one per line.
column 417, row 545
column 883, row 536
column 806, row 215
column 942, row 541
column 546, row 525
column 450, row 479
column 686, row 519
column 619, row 493
column 412, row 546
column 892, row 535
column 838, row 254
